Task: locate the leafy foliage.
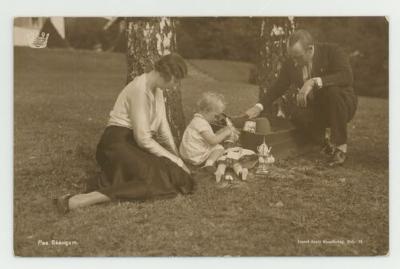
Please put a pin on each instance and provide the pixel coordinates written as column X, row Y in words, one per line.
column 365, row 38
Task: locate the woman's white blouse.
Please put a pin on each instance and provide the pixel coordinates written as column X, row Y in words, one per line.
column 138, row 109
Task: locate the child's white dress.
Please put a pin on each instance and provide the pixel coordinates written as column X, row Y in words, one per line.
column 194, row 148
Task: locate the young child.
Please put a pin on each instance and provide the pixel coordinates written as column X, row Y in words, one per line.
column 200, row 145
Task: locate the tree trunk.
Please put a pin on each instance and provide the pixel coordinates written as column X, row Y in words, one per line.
column 288, row 141
column 273, row 36
column 149, row 39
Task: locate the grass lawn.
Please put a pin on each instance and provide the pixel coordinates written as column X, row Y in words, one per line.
column 229, row 71
column 62, row 99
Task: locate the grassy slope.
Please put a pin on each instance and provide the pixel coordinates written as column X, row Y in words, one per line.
column 62, row 99
column 229, row 71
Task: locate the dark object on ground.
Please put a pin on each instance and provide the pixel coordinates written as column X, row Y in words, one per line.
column 285, row 139
column 285, row 143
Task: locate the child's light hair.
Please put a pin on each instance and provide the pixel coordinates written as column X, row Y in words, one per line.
column 211, row 101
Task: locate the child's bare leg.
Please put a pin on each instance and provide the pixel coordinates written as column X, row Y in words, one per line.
column 237, row 167
column 86, row 199
column 245, row 172
column 220, row 171
column 217, row 152
column 240, row 171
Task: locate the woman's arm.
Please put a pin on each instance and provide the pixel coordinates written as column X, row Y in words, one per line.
column 139, row 112
column 165, row 133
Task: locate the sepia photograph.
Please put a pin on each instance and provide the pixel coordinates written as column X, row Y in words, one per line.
column 191, row 136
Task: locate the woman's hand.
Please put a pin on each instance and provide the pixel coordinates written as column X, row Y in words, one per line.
column 186, row 169
column 182, row 165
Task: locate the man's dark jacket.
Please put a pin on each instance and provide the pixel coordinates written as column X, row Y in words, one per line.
column 330, row 63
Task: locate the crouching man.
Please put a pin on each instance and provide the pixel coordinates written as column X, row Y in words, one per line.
column 323, row 75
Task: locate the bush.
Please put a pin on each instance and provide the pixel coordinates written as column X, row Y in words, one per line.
column 84, row 33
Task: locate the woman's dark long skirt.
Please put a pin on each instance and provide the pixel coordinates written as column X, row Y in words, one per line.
column 131, row 173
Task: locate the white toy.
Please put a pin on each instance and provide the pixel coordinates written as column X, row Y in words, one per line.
column 264, row 158
column 230, row 159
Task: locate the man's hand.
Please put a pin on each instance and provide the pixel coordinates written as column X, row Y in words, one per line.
column 301, row 97
column 253, row 112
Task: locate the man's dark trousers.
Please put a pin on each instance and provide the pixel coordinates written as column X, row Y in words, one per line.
column 329, row 107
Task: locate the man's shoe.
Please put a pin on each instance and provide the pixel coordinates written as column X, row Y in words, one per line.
column 328, row 148
column 337, row 158
column 62, row 204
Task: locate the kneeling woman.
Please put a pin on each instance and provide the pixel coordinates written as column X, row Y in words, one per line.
column 136, row 152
